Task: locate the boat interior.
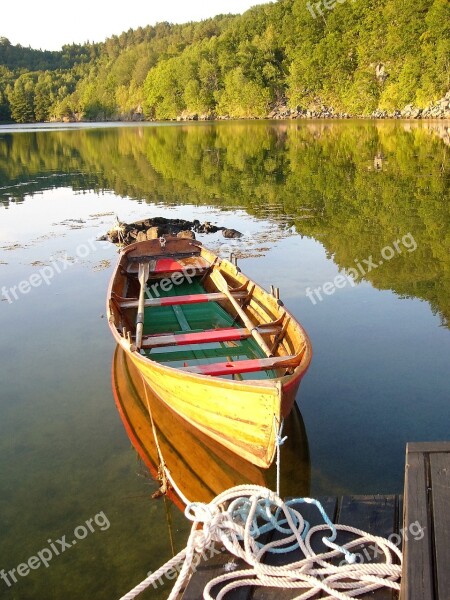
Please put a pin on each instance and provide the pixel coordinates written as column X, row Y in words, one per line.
column 183, row 307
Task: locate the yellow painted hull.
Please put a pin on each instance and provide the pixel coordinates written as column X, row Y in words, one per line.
column 198, row 468
column 243, row 418
column 242, row 415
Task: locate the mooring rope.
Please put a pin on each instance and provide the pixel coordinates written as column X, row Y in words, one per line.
column 164, row 472
column 279, row 442
column 238, row 517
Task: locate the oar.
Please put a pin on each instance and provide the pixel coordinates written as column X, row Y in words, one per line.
column 144, row 271
column 223, row 287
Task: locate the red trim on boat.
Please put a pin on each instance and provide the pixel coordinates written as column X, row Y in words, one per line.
column 242, row 366
column 227, row 334
column 174, row 300
column 167, row 265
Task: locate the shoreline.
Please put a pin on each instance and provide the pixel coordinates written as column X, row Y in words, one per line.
column 217, row 120
column 438, row 110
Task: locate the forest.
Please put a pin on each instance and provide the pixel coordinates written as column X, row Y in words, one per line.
column 356, row 57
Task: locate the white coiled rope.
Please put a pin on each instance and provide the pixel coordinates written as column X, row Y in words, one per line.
column 239, row 516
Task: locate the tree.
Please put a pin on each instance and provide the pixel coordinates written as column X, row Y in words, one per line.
column 163, row 92
column 242, row 97
column 43, row 97
column 5, row 111
column 22, row 100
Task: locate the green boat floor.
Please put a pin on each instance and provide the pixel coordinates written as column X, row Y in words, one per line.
column 192, row 318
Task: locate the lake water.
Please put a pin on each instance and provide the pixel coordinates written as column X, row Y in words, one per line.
column 351, row 220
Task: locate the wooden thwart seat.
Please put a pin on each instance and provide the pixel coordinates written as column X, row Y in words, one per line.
column 173, row 300
column 245, row 366
column 194, row 265
column 226, row 334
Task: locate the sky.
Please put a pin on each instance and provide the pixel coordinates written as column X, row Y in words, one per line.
column 48, row 24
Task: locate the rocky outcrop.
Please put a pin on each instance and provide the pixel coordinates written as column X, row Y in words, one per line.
column 186, row 116
column 153, row 233
column 231, row 234
column 439, row 110
column 380, row 73
column 383, row 114
column 436, row 110
column 186, row 234
column 316, row 111
column 155, row 227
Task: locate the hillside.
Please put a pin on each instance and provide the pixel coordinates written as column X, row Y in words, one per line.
column 350, row 57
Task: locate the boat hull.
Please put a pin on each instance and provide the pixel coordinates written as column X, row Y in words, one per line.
column 244, row 418
column 197, row 468
column 242, row 414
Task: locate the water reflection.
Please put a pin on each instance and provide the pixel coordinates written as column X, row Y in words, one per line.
column 355, row 187
column 379, row 377
column 200, row 468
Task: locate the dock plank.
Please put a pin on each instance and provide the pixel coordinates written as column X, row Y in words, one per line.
column 417, row 576
column 426, row 562
column 440, row 485
column 424, row 530
column 428, row 447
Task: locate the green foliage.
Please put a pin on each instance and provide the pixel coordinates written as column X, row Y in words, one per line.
column 19, row 58
column 6, row 81
column 163, row 92
column 361, row 97
column 243, row 97
column 291, row 50
column 5, row 109
column 192, row 98
column 21, row 99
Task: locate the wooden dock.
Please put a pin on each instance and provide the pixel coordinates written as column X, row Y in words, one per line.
column 426, row 561
column 422, row 529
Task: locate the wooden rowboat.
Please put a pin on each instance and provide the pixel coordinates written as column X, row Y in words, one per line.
column 218, row 349
column 197, row 467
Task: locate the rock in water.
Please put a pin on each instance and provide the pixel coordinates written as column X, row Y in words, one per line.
column 154, row 233
column 155, row 227
column 187, row 234
column 231, row 233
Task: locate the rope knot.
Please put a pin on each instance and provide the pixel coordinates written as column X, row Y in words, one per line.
column 199, row 512
column 215, row 523
column 281, row 440
column 201, row 540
